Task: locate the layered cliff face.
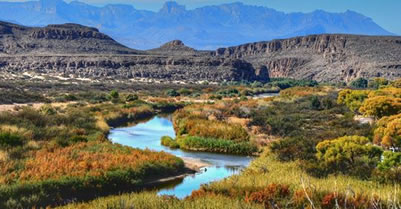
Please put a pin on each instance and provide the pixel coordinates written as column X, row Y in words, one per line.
column 80, row 52
column 150, row 68
column 57, row 39
column 72, row 50
column 330, row 58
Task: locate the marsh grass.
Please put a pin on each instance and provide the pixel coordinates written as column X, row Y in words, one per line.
column 147, row 200
column 268, row 170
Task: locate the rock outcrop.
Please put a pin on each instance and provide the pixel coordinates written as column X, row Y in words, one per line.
column 77, row 51
column 57, row 39
column 330, row 58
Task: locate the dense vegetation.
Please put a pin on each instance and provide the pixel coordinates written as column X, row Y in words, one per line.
column 147, row 200
column 55, row 153
column 319, row 155
column 316, row 147
column 204, row 128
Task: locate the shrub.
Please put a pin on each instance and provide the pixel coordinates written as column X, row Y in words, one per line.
column 377, row 83
column 70, row 97
column 299, row 91
column 390, row 160
column 131, row 97
column 388, row 131
column 172, row 93
column 396, row 83
column 381, row 106
column 10, row 140
column 169, row 142
column 216, row 145
column 284, row 83
column 349, row 155
column 270, row 195
column 353, row 99
column 389, row 169
column 315, row 103
column 114, row 94
column 359, row 83
column 213, row 129
column 184, row 92
column 48, row 110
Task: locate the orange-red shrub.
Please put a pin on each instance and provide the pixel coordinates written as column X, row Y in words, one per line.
column 90, row 159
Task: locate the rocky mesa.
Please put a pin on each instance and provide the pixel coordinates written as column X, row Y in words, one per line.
column 328, row 58
column 75, row 51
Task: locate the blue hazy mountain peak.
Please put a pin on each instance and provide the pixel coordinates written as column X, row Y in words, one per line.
column 172, row 7
column 206, row 27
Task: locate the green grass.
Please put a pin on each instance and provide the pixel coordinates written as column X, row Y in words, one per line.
column 217, row 145
column 169, row 142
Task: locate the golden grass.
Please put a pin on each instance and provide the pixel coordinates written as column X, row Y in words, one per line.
column 102, row 124
column 148, row 200
column 241, row 121
column 267, row 170
column 12, row 129
column 3, row 156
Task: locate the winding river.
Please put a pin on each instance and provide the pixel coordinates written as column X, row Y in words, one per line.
column 147, row 135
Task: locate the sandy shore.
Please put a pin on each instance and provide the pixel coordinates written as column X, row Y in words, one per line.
column 192, row 166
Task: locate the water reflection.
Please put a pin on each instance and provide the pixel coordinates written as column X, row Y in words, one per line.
column 147, row 134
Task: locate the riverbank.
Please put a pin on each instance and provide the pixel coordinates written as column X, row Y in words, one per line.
column 192, row 166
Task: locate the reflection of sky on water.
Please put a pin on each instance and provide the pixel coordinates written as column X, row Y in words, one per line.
column 148, row 134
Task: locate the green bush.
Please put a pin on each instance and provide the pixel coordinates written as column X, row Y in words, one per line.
column 217, row 145
column 285, row 83
column 349, row 155
column 359, row 83
column 389, row 169
column 10, row 140
column 184, row 92
column 390, row 160
column 172, row 93
column 377, row 83
column 315, row 102
column 169, row 142
column 114, row 94
column 131, row 97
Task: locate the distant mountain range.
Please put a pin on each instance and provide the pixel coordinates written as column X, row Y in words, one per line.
column 62, row 52
column 208, row 27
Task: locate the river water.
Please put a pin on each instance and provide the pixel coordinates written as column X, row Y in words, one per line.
column 146, row 135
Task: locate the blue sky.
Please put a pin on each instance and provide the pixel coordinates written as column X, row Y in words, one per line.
column 387, row 13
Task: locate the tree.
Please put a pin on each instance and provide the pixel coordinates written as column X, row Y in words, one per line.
column 353, row 99
column 359, row 83
column 349, row 155
column 381, row 106
column 388, row 132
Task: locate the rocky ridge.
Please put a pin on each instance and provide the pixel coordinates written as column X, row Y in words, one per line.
column 331, row 58
column 75, row 51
